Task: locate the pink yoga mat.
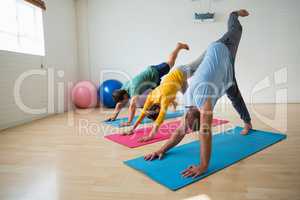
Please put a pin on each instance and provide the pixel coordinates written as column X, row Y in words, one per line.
column 164, row 133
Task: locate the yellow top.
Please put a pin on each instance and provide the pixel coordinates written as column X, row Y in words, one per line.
column 165, row 94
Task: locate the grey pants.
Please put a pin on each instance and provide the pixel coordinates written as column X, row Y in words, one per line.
column 232, row 39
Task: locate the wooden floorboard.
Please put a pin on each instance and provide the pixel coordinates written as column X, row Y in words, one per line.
column 55, row 158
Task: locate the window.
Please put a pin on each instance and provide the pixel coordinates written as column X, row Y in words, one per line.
column 21, row 27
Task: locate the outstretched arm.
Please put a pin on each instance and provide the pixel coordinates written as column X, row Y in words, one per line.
column 131, row 111
column 136, row 124
column 172, row 142
column 116, row 112
column 205, row 137
column 147, row 104
column 160, row 119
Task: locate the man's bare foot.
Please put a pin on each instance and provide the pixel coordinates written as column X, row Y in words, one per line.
column 183, row 46
column 243, row 13
column 247, row 128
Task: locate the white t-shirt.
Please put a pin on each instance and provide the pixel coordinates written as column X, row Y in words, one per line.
column 212, row 78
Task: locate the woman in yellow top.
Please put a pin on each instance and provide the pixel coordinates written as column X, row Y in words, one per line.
column 160, row 98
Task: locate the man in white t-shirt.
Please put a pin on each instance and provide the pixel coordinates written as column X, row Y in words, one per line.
column 214, row 77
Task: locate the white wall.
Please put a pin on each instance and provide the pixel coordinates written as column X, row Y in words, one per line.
column 61, row 44
column 61, row 54
column 128, row 35
column 83, row 39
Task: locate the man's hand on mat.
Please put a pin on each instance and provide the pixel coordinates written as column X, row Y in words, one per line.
column 247, row 128
column 243, row 13
column 125, row 124
column 194, row 171
column 154, row 155
column 145, row 138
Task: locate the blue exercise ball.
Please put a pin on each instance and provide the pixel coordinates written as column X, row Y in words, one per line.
column 105, row 92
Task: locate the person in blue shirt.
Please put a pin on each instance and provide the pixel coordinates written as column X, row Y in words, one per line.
column 213, row 77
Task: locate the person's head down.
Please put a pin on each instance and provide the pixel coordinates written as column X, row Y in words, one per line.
column 120, row 96
column 153, row 112
column 192, row 119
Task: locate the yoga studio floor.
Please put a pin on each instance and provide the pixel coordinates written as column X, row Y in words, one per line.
column 59, row 158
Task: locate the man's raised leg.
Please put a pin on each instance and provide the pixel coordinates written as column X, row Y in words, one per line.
column 233, row 35
column 232, row 39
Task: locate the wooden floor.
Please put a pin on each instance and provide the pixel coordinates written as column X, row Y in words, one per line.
column 58, row 158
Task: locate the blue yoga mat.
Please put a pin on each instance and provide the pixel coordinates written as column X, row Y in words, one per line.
column 228, row 148
column 169, row 115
